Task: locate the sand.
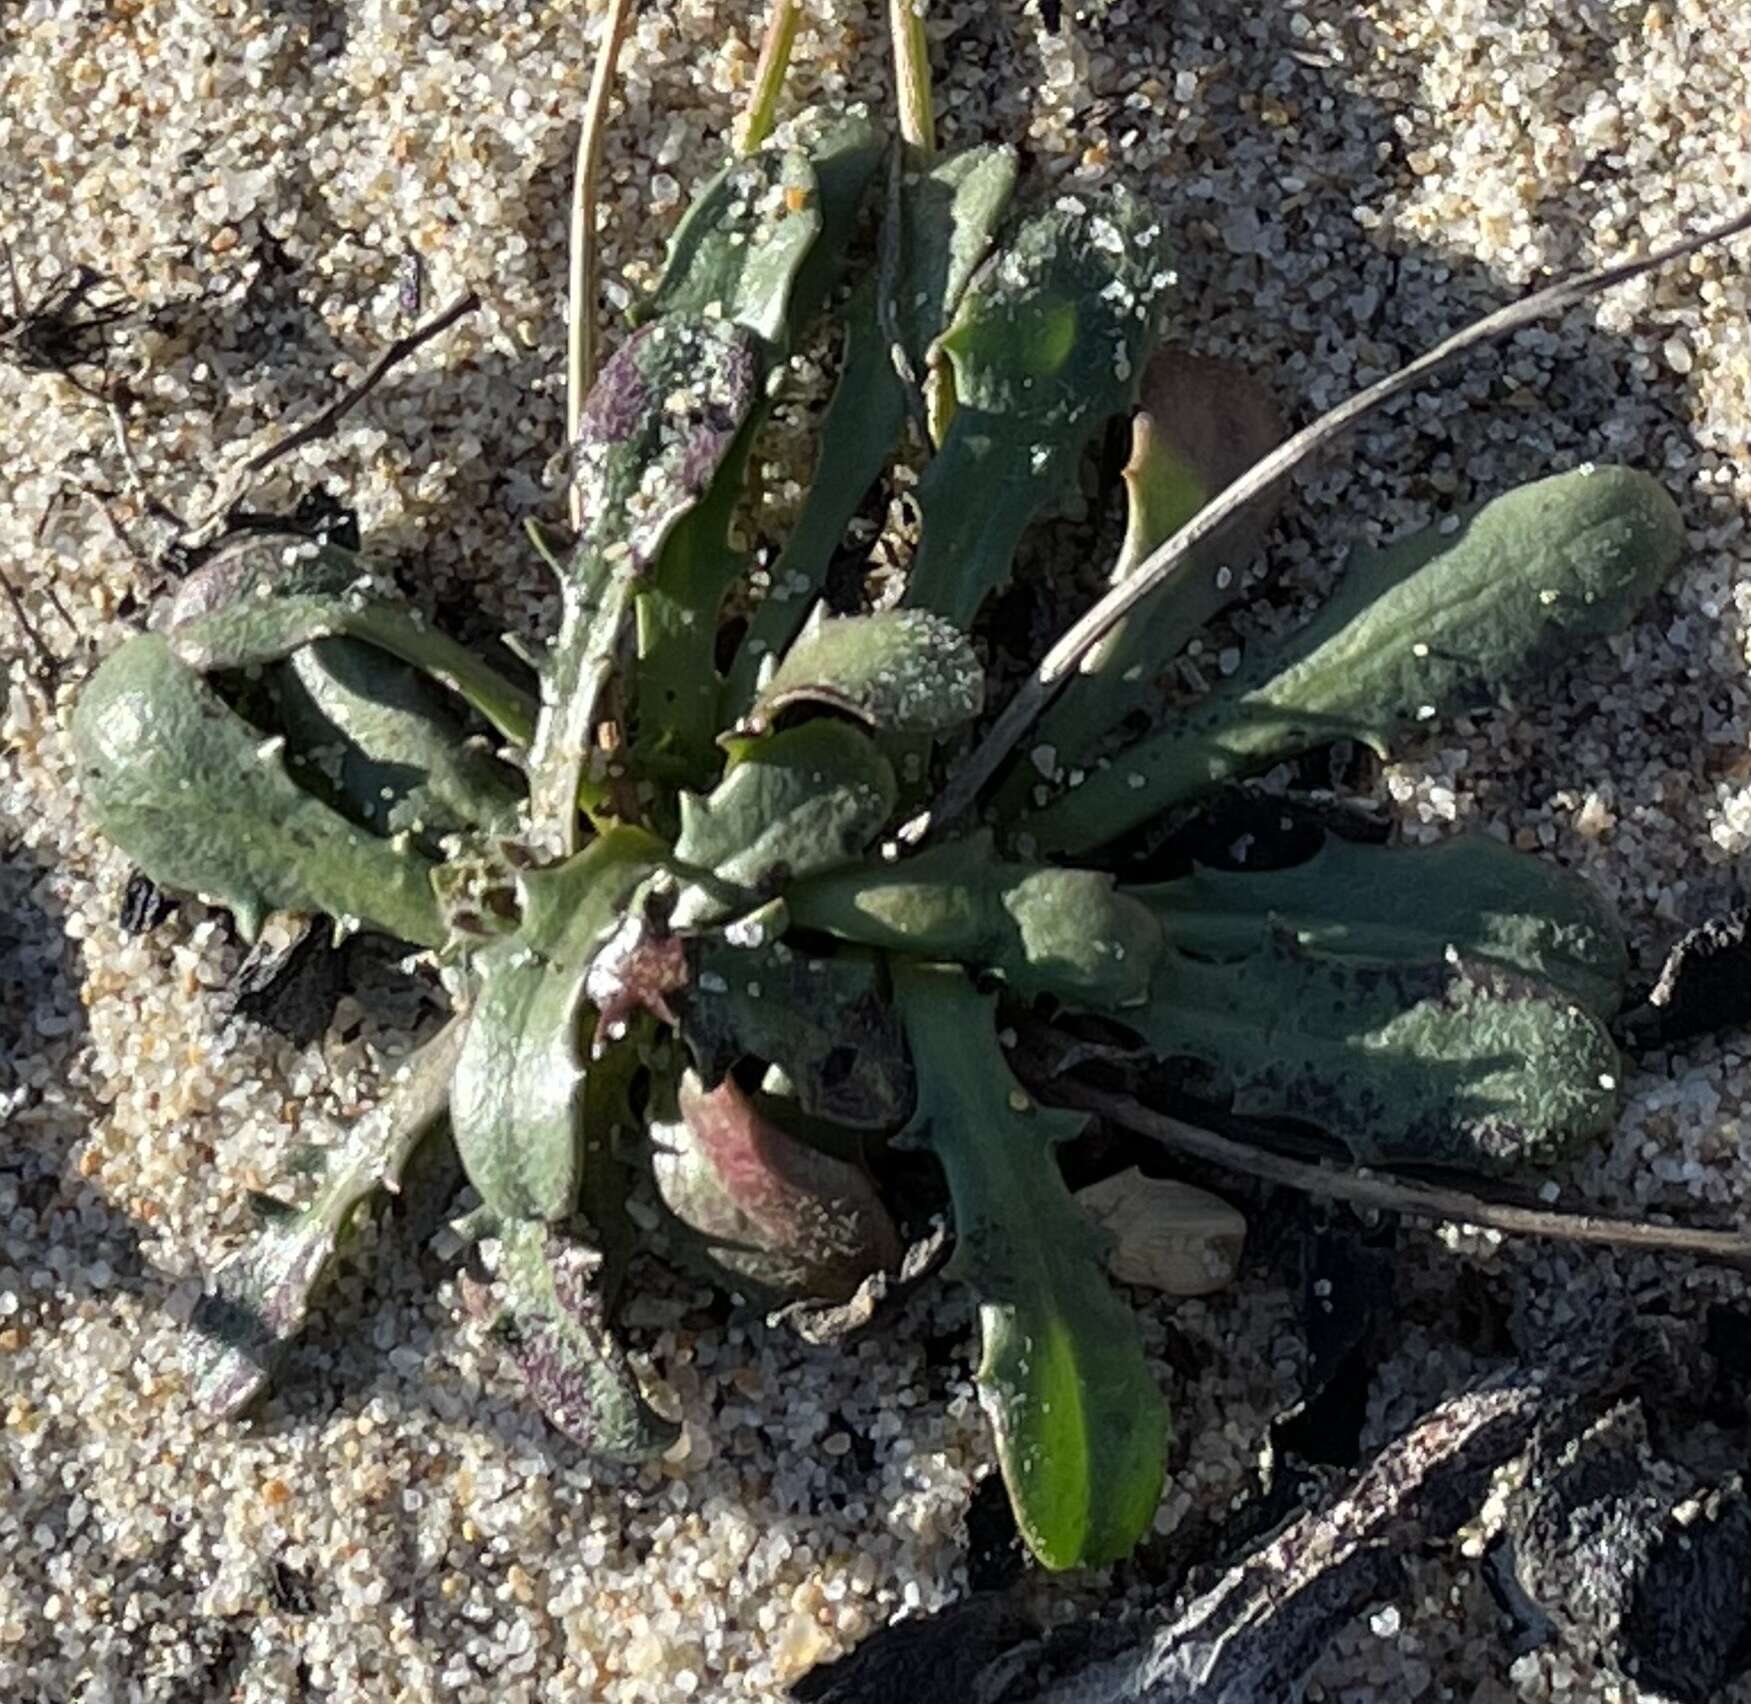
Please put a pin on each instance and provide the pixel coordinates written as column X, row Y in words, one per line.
column 1345, row 184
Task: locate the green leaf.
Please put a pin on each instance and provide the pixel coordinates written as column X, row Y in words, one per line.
column 1067, row 933
column 1048, row 344
column 257, row 1300
column 797, row 803
column 676, row 696
column 395, row 756
column 200, row 800
column 762, row 245
column 1081, row 1429
column 555, row 1328
column 947, row 218
column 519, row 1088
column 1451, row 1062
column 660, row 422
column 1201, row 423
column 1439, row 623
column 763, row 1209
column 764, row 240
column 271, row 595
column 902, row 671
column 1409, row 903
column 824, row 1020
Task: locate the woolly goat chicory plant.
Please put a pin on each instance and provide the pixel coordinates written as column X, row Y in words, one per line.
column 676, row 898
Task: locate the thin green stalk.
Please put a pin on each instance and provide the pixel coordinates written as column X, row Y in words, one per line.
column 912, row 79
column 757, row 121
column 580, row 366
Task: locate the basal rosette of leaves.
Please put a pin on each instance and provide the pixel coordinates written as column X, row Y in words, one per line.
column 668, row 890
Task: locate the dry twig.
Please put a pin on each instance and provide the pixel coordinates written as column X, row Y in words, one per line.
column 1393, row 1195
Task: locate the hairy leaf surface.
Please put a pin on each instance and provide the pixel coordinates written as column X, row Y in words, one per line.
column 201, row 801
column 1439, row 623
column 901, row 671
column 796, row 803
column 519, row 1088
column 826, row 1022
column 1454, row 1061
column 1408, row 904
column 946, row 219
column 396, row 757
column 657, row 426
column 1068, row 933
column 554, row 1326
column 761, row 1206
column 1048, row 344
column 761, row 247
column 272, row 595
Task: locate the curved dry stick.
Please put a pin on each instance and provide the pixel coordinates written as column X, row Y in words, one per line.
column 1393, row 1195
column 580, row 353
column 1066, row 656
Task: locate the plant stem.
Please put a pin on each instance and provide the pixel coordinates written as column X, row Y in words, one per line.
column 912, row 79
column 757, row 121
column 580, row 366
column 1393, row 1195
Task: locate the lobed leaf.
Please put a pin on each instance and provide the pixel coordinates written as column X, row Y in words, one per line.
column 763, row 1208
column 1081, row 1429
column 901, row 671
column 200, row 800
column 554, row 1326
column 760, row 247
column 1453, row 1061
column 257, row 1300
column 1067, row 933
column 396, row 758
column 795, row 804
column 1438, row 623
column 1048, row 344
column 765, row 238
column 518, row 1095
column 1402, row 904
column 932, row 245
column 663, row 418
column 824, row 1020
column 272, row 595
